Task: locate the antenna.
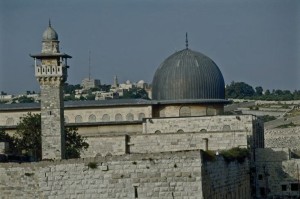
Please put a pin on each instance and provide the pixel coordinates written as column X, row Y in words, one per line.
column 186, row 41
column 89, row 64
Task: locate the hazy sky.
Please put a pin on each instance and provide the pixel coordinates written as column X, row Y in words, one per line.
column 254, row 41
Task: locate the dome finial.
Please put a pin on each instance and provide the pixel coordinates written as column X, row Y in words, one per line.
column 49, row 22
column 186, row 41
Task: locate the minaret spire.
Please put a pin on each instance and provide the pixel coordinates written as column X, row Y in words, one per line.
column 89, row 64
column 186, row 41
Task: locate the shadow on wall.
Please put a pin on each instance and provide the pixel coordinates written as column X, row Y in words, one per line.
column 277, row 173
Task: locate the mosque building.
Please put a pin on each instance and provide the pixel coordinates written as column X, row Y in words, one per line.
column 184, row 114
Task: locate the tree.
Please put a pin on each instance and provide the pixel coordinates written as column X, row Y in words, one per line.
column 28, row 135
column 28, row 138
column 239, row 90
column 135, row 93
column 25, row 99
column 74, row 143
column 4, row 137
column 259, row 90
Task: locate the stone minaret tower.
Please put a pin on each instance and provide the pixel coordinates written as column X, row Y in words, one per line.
column 51, row 72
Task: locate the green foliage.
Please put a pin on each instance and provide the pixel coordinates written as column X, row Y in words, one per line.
column 208, row 155
column 135, row 93
column 75, row 143
column 28, row 138
column 239, row 90
column 239, row 154
column 4, row 137
column 267, row 118
column 289, row 125
column 234, row 154
column 259, row 91
column 70, row 89
column 105, row 87
column 28, row 135
column 23, row 99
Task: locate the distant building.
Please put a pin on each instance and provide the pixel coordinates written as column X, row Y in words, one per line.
column 99, row 95
column 6, row 98
column 90, row 83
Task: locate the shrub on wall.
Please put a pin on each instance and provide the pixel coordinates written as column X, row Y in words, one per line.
column 235, row 154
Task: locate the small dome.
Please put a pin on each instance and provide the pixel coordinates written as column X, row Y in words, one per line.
column 141, row 82
column 128, row 82
column 187, row 75
column 50, row 34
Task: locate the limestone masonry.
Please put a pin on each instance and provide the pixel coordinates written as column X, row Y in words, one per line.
column 149, row 148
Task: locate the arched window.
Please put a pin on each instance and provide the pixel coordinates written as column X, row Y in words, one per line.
column 129, row 117
column 66, row 119
column 157, row 131
column 141, row 116
column 78, row 119
column 203, row 130
column 180, row 131
column 226, row 128
column 118, row 117
column 105, row 118
column 184, row 111
column 92, row 118
column 10, row 121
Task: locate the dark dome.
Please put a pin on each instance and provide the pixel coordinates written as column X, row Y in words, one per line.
column 188, row 75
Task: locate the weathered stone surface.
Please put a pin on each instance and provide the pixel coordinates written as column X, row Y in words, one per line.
column 152, row 175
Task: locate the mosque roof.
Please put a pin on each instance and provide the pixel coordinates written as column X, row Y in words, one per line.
column 188, row 74
column 50, row 34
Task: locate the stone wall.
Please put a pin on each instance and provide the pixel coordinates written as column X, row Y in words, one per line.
column 111, row 128
column 13, row 118
column 104, row 114
column 232, row 107
column 165, row 175
column 155, row 143
column 84, row 115
column 198, row 124
column 277, row 175
column 187, row 141
column 193, row 110
column 226, row 180
column 283, row 137
column 160, row 175
column 104, row 145
column 282, row 121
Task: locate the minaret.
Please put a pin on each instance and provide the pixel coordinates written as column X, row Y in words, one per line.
column 116, row 83
column 51, row 73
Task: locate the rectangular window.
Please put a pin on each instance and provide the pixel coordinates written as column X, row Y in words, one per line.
column 283, row 187
column 135, row 192
column 294, row 187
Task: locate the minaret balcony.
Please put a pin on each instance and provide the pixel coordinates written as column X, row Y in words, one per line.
column 51, row 71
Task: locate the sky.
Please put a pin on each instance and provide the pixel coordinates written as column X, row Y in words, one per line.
column 253, row 41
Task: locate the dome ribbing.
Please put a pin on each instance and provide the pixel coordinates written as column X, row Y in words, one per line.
column 187, row 75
